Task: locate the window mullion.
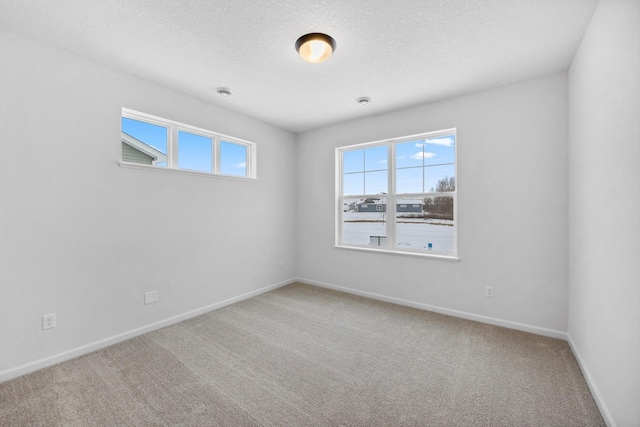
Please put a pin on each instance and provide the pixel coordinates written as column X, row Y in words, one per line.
column 391, row 197
column 340, row 199
column 172, row 147
column 219, row 156
column 215, row 155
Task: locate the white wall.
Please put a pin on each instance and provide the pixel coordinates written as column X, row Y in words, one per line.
column 604, row 208
column 512, row 199
column 70, row 218
column 84, row 238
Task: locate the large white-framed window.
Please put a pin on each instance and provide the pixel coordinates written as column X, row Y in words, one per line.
column 151, row 141
column 399, row 195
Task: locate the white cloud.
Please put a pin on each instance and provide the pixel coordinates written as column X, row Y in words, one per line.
column 240, row 165
column 446, row 142
column 384, row 162
column 421, row 155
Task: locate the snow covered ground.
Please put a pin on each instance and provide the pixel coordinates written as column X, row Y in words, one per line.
column 413, row 233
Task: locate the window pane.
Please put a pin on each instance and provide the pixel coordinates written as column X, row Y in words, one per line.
column 144, row 143
column 423, row 191
column 353, row 161
column 373, row 162
column 375, row 182
column 194, row 152
column 439, row 150
column 425, row 223
column 409, row 180
column 375, row 158
column 233, row 159
column 364, row 221
column 353, row 184
column 439, row 178
column 369, row 159
column 409, row 153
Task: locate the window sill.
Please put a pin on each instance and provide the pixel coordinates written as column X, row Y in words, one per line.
column 440, row 256
column 129, row 165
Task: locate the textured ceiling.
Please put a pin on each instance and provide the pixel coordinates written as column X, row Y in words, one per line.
column 400, row 53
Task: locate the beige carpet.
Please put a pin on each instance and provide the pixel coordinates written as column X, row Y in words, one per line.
column 307, row 356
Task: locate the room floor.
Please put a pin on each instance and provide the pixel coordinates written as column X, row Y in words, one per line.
column 303, row 355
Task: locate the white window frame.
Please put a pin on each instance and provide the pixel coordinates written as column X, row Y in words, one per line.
column 392, row 197
column 173, row 127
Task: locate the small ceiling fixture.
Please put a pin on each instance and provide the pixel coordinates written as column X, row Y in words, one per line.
column 315, row 47
column 364, row 100
column 223, row 92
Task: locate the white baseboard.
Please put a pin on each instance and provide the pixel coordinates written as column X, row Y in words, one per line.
column 11, row 373
column 88, row 348
column 456, row 313
column 595, row 392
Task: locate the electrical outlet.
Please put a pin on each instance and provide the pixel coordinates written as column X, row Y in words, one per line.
column 488, row 291
column 49, row 321
column 150, row 297
column 280, row 265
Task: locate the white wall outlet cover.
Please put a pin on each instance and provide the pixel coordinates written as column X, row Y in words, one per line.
column 150, row 297
column 49, row 321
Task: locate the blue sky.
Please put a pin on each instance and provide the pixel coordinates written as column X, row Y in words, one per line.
column 420, row 164
column 233, row 159
column 194, row 151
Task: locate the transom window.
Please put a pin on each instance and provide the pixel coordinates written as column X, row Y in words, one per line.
column 163, row 143
column 399, row 195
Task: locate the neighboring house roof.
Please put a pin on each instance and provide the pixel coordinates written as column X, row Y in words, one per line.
column 369, row 201
column 158, row 156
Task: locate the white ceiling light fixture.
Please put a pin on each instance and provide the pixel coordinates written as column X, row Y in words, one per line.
column 315, row 47
column 224, row 92
column 363, row 100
